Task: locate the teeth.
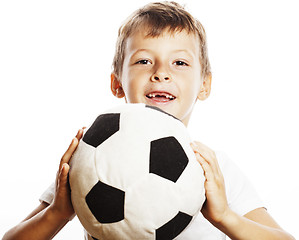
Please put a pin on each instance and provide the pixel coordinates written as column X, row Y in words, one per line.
column 151, row 95
column 169, row 97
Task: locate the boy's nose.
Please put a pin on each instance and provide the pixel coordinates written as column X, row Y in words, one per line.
column 160, row 76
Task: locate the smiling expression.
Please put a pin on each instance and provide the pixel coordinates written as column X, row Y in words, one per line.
column 162, row 71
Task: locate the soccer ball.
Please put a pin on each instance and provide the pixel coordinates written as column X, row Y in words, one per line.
column 134, row 175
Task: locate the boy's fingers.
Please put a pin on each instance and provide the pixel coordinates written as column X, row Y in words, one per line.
column 80, row 133
column 71, row 149
column 64, row 173
column 62, row 182
column 206, row 154
column 69, row 152
column 204, row 150
column 205, row 166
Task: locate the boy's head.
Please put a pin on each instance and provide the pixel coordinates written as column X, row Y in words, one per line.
column 161, row 55
column 155, row 18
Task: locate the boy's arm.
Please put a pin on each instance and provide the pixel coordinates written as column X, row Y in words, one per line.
column 44, row 224
column 47, row 220
column 257, row 224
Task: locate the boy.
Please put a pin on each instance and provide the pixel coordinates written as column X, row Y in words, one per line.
column 161, row 60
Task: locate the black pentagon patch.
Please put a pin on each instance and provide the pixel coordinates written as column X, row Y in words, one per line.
column 160, row 110
column 106, row 203
column 103, row 127
column 174, row 227
column 167, row 158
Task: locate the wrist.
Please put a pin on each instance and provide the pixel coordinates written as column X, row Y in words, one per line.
column 228, row 221
column 233, row 225
column 56, row 215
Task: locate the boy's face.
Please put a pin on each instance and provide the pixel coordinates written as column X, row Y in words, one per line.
column 162, row 71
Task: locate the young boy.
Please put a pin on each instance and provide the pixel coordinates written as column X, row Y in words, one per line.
column 161, row 60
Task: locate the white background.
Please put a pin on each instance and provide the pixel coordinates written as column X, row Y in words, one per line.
column 55, row 62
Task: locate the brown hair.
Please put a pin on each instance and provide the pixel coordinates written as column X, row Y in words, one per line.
column 156, row 17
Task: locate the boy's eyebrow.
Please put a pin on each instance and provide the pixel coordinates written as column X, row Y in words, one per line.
column 142, row 50
column 188, row 52
column 185, row 51
column 138, row 51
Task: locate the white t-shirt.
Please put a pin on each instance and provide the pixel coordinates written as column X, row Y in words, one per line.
column 241, row 197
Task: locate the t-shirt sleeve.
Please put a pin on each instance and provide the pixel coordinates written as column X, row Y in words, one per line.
column 48, row 195
column 241, row 195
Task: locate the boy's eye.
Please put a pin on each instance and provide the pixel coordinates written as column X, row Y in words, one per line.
column 143, row 61
column 180, row 63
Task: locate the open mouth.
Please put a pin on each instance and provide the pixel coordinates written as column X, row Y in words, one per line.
column 161, row 96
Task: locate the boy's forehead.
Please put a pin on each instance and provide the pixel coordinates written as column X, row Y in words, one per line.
column 172, row 40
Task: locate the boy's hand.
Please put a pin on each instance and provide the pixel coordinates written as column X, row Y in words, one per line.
column 215, row 208
column 62, row 205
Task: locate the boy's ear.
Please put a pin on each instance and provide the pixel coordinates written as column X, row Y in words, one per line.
column 116, row 87
column 205, row 88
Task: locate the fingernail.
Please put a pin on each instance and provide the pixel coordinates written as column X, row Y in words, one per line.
column 63, row 167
